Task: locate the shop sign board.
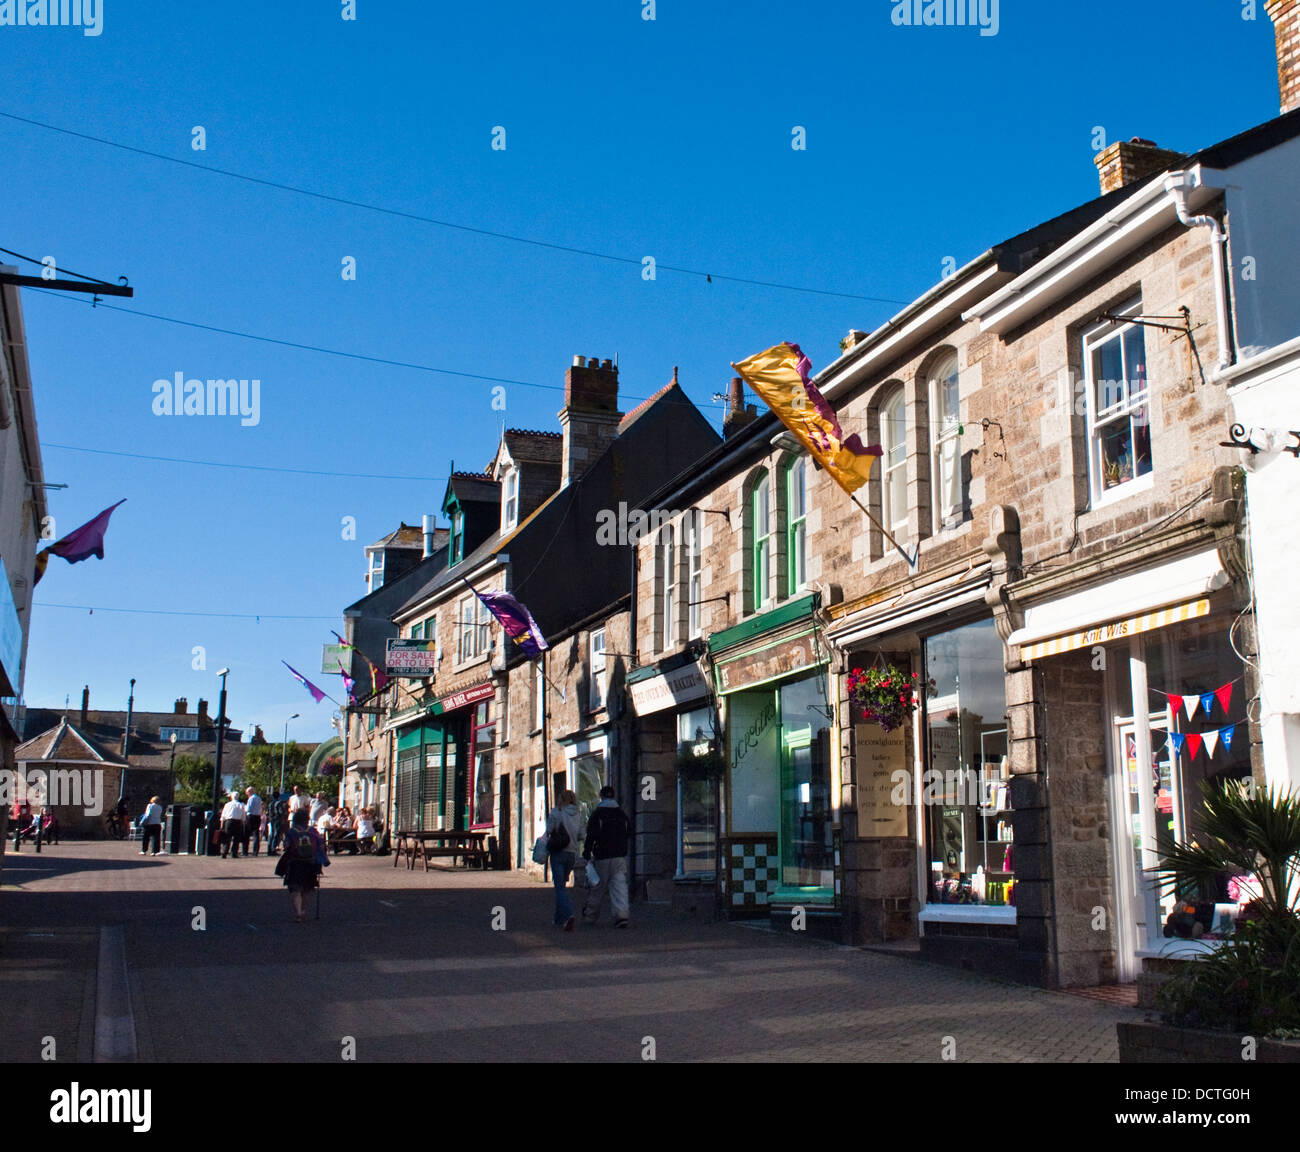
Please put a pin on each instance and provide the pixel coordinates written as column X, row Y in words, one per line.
column 879, row 756
column 411, row 658
column 771, row 662
column 468, row 696
column 335, row 658
column 667, row 690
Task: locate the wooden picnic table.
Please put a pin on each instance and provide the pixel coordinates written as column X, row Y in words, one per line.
column 472, row 846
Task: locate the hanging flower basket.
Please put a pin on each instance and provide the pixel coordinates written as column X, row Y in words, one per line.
column 702, row 765
column 886, row 695
column 332, row 767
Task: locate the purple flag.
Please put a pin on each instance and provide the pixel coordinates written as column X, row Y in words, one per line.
column 517, row 621
column 317, row 694
column 79, row 544
column 348, row 685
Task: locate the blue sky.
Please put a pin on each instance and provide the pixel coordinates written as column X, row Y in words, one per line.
column 668, row 138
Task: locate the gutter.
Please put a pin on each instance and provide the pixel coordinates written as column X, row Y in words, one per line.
column 1177, row 185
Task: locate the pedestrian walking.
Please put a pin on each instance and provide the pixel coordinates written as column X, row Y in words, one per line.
column 151, row 824
column 233, row 816
column 606, row 848
column 253, row 830
column 296, row 801
column 564, row 834
column 300, row 865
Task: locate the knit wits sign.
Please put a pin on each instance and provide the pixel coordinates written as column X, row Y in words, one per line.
column 770, row 663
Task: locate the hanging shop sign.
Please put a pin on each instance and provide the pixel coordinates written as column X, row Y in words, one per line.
column 411, row 658
column 463, row 698
column 881, row 767
column 774, row 661
column 335, row 658
column 668, row 689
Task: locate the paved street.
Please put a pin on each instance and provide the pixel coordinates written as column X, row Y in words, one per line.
column 410, row 967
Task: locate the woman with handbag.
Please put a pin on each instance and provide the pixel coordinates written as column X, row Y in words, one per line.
column 564, row 834
column 301, row 862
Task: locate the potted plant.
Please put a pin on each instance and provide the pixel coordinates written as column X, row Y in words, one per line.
column 700, row 761
column 886, row 695
column 1250, row 983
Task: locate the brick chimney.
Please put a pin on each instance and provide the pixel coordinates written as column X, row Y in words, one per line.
column 181, row 707
column 1285, row 15
column 1129, row 160
column 85, row 704
column 590, row 416
column 738, row 414
column 202, row 710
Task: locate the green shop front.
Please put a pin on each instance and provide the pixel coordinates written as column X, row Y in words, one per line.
column 444, row 764
column 780, row 831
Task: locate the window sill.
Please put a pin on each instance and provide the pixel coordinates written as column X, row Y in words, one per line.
column 968, row 914
column 472, row 662
column 1122, row 492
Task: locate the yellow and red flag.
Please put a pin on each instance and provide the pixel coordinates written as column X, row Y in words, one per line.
column 781, row 377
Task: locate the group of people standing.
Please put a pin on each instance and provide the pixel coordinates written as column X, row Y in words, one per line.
column 241, row 821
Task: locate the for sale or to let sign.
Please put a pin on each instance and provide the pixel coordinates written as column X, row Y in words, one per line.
column 411, row 658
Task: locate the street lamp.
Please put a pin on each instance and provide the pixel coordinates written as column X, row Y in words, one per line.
column 221, row 729
column 171, row 796
column 283, row 745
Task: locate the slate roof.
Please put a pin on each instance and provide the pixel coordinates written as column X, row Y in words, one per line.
column 65, row 742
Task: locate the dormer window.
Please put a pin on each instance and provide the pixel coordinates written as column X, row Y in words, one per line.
column 376, row 574
column 456, row 551
column 510, row 500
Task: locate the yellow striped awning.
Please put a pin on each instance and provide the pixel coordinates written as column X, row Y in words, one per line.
column 1104, row 633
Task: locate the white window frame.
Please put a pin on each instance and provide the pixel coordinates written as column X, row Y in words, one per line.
column 796, row 558
column 1131, row 405
column 471, row 643
column 949, row 498
column 376, row 572
column 694, row 573
column 539, row 696
column 893, row 463
column 762, row 544
column 668, row 587
column 597, row 668
column 510, row 500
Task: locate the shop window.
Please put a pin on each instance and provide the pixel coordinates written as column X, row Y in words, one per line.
column 966, row 783
column 1119, row 406
column 539, row 696
column 796, row 482
column 697, row 801
column 807, row 816
column 945, row 403
column 588, row 780
column 483, row 739
column 893, row 474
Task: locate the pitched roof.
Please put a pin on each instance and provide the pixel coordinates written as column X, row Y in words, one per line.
column 64, row 742
column 403, row 536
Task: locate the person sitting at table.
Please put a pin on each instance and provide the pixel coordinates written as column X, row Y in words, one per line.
column 366, row 830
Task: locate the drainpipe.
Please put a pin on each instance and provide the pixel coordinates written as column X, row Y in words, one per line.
column 1177, row 186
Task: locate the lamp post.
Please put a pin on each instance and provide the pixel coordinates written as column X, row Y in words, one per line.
column 283, row 746
column 171, row 798
column 221, row 729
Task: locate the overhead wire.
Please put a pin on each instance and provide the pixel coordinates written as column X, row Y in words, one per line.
column 418, row 218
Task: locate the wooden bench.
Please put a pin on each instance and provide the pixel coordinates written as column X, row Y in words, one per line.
column 469, row 846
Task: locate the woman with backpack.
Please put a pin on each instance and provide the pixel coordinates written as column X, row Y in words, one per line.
column 301, row 863
column 564, row 831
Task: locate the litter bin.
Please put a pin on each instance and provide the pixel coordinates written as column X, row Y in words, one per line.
column 177, row 833
column 198, row 822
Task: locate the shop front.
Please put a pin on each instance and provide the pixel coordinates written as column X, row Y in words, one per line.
column 681, row 748
column 780, row 835
column 444, row 774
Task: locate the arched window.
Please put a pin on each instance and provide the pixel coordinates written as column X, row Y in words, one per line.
column 796, row 503
column 893, row 440
column 945, row 403
column 761, row 559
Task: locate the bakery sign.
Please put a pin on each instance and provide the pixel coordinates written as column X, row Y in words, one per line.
column 772, row 662
column 668, row 689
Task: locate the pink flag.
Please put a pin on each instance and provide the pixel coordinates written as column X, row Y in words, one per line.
column 317, row 694
column 79, row 544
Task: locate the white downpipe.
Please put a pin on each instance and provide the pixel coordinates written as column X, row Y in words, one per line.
column 1177, row 186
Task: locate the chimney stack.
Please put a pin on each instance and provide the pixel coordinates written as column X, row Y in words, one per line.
column 1285, row 15
column 739, row 414
column 1127, row 161
column 590, row 416
column 202, row 710
column 85, row 704
column 429, row 527
column 181, row 707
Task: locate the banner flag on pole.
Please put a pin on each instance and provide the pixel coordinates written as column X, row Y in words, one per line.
column 317, row 694
column 515, row 619
column 781, row 377
column 79, row 544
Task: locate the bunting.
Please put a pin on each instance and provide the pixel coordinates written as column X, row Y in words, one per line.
column 1202, row 700
column 1210, row 740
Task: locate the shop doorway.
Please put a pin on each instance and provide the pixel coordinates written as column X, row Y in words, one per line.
column 521, row 824
column 503, row 829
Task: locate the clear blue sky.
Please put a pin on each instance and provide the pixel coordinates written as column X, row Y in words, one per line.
column 668, row 138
